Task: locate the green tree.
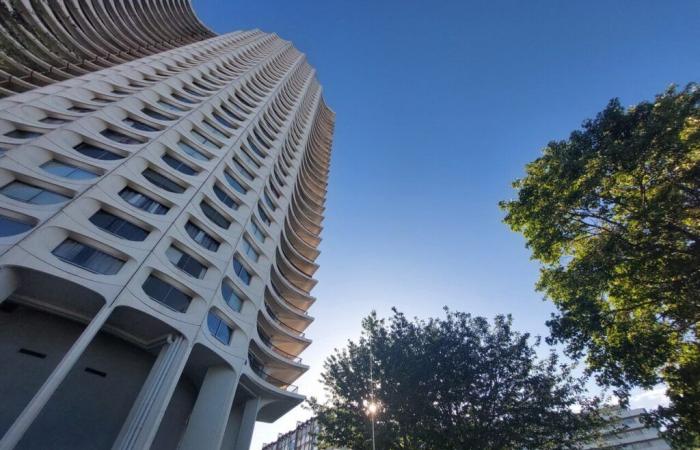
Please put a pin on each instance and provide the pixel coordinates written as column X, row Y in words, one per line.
column 613, row 215
column 453, row 383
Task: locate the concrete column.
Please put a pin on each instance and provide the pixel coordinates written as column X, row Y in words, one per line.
column 9, row 281
column 210, row 414
column 142, row 423
column 36, row 404
column 245, row 434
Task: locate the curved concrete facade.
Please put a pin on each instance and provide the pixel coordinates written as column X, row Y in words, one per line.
column 159, row 222
column 42, row 41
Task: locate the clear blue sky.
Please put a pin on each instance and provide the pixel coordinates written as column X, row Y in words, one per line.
column 439, row 105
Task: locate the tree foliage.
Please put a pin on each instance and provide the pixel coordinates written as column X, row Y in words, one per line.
column 458, row 383
column 613, row 215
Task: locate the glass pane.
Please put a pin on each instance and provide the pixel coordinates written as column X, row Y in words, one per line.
column 166, row 294
column 215, row 216
column 178, row 165
column 234, row 183
column 230, row 297
column 118, row 226
column 88, row 257
column 96, row 152
column 162, row 182
column 193, row 152
column 10, row 227
column 225, row 198
column 65, row 170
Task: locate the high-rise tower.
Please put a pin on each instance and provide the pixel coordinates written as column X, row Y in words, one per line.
column 161, row 199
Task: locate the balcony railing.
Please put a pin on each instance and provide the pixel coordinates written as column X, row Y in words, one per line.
column 291, row 306
column 259, row 369
column 268, row 341
column 279, row 322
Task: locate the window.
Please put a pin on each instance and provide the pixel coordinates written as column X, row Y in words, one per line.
column 265, row 218
column 185, row 262
column 225, row 198
column 139, row 125
column 231, row 298
column 249, row 250
column 53, row 120
column 87, row 257
column 162, row 181
column 222, row 121
column 166, row 294
column 248, row 159
column 234, row 183
column 28, row 193
column 241, row 271
column 257, row 232
column 255, row 148
column 178, row 165
column 268, row 201
column 142, row 201
column 11, row 227
column 191, row 92
column 232, row 114
column 119, row 137
column 118, row 226
column 210, row 128
column 155, row 114
column 201, row 237
column 96, row 152
column 22, row 134
column 245, row 172
column 219, row 329
column 80, row 109
column 201, row 139
column 182, row 99
column 66, row 170
column 193, row 152
column 214, row 215
column 170, row 106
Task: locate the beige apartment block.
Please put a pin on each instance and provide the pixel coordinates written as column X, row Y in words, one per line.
column 161, row 200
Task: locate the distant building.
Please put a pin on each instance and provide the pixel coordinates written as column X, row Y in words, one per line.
column 633, row 435
column 303, row 437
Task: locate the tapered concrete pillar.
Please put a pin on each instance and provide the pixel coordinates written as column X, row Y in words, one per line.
column 8, row 282
column 245, row 434
column 141, row 424
column 209, row 417
column 37, row 403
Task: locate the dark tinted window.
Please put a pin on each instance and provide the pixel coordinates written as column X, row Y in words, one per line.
column 166, row 294
column 118, row 226
column 96, row 152
column 142, row 201
column 10, row 226
column 201, row 237
column 178, row 165
column 214, row 215
column 162, row 181
column 88, row 258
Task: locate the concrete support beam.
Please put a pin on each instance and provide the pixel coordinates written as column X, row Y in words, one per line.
column 142, row 423
column 245, row 434
column 211, row 410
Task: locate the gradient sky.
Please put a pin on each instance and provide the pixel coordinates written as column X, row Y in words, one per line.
column 439, row 105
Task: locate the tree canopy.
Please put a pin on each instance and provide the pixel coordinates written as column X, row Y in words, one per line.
column 453, row 383
column 613, row 215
